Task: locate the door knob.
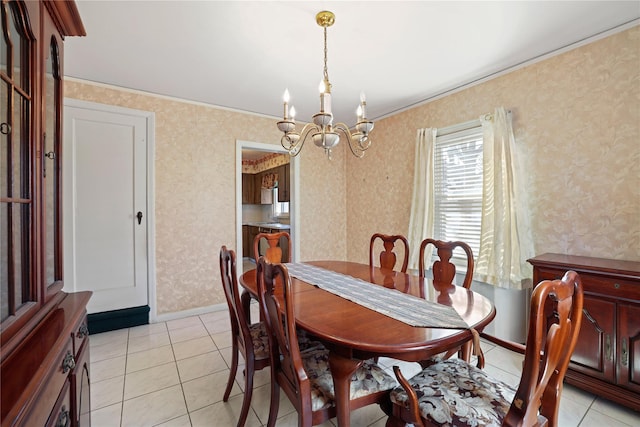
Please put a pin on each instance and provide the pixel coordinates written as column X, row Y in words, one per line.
column 139, row 216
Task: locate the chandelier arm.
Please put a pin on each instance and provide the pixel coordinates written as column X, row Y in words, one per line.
column 294, row 148
column 354, row 146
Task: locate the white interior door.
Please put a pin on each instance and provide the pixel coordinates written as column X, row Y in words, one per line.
column 106, row 215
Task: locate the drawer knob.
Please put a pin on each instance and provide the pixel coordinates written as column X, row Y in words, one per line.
column 63, row 417
column 616, row 285
column 83, row 331
column 68, row 363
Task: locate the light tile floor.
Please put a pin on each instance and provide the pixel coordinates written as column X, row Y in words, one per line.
column 174, row 374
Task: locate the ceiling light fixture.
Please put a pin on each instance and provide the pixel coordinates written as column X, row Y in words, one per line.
column 323, row 132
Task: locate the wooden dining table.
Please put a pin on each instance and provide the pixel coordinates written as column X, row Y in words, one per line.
column 354, row 333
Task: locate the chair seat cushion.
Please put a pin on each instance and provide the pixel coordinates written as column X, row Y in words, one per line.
column 260, row 340
column 306, row 343
column 455, row 393
column 369, row 378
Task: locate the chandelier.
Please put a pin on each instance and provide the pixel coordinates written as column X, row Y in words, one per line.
column 323, row 131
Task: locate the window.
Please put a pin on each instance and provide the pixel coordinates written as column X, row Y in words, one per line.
column 279, row 209
column 458, row 186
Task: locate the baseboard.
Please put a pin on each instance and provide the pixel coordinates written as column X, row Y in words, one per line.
column 165, row 317
column 118, row 319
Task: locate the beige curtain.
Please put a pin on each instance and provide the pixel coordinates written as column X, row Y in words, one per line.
column 505, row 241
column 421, row 220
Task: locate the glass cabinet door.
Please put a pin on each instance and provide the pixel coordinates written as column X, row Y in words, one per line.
column 16, row 198
column 51, row 171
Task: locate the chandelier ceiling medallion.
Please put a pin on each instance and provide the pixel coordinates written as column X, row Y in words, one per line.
column 323, row 131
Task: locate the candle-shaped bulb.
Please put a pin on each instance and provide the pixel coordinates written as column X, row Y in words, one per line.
column 293, row 113
column 322, row 87
column 285, row 97
column 363, row 103
column 359, row 112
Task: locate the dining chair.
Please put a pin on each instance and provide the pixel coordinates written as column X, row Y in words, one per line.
column 444, row 273
column 274, row 251
column 249, row 339
column 453, row 392
column 388, row 257
column 304, row 374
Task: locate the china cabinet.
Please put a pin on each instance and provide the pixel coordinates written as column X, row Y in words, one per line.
column 606, row 360
column 44, row 338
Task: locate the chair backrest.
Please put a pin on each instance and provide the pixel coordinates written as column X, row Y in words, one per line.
column 387, row 257
column 274, row 252
column 554, row 324
column 286, row 361
column 444, row 271
column 239, row 323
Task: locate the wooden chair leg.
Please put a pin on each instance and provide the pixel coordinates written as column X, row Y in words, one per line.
column 232, row 372
column 394, row 422
column 465, row 351
column 248, row 392
column 274, row 403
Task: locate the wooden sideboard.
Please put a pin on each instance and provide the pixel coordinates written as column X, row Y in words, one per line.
column 606, row 360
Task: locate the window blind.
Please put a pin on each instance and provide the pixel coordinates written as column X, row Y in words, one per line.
column 458, row 188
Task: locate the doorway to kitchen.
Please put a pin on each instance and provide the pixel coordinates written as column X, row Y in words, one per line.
column 262, row 204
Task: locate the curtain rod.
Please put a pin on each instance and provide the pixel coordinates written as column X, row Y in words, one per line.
column 462, row 126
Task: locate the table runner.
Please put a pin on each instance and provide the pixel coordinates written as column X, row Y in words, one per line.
column 406, row 308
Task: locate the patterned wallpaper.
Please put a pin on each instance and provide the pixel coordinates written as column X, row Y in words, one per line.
column 267, row 162
column 576, row 118
column 195, row 197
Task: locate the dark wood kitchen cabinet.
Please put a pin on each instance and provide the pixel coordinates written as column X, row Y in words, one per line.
column 606, row 360
column 44, row 345
column 283, row 183
column 248, row 189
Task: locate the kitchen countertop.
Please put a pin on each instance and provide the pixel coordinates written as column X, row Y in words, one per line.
column 272, row 225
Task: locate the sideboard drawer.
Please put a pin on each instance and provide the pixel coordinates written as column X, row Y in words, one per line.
column 613, row 287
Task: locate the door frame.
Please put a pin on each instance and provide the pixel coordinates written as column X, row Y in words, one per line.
column 69, row 185
column 294, row 182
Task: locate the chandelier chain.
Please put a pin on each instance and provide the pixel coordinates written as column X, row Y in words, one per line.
column 326, row 71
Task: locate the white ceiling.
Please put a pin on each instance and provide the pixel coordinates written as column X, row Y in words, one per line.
column 243, row 54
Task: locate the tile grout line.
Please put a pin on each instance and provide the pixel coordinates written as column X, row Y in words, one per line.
column 184, row 397
column 124, row 380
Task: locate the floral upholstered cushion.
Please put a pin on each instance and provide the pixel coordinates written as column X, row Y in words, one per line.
column 455, row 393
column 306, row 343
column 260, row 340
column 368, row 378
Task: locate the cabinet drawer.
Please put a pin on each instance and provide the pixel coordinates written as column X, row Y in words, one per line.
column 40, row 412
column 61, row 414
column 613, row 287
column 80, row 335
column 606, row 285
